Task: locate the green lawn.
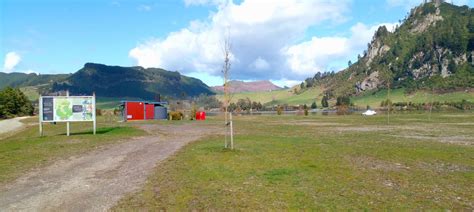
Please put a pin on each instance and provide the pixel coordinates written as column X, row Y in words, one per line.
column 398, row 95
column 279, row 97
column 26, row 150
column 321, row 163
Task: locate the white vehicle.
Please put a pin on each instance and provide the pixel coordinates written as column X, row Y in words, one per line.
column 369, row 113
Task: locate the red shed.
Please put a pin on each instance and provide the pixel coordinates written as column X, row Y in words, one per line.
column 143, row 110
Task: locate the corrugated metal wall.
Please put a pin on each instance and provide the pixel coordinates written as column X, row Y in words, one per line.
column 161, row 112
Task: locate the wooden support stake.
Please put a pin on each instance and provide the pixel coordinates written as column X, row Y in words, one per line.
column 231, row 133
column 67, row 123
column 93, row 114
column 40, row 115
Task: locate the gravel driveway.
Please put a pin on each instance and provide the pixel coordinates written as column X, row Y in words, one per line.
column 97, row 180
column 9, row 125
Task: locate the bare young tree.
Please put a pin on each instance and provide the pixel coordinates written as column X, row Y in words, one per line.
column 226, row 50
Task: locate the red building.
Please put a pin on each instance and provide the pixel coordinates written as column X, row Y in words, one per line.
column 144, row 110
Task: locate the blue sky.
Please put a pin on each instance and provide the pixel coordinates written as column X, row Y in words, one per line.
column 283, row 41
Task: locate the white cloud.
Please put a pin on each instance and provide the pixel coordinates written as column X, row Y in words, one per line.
column 264, row 40
column 317, row 54
column 259, row 31
column 11, row 61
column 285, row 82
column 29, row 71
column 260, row 64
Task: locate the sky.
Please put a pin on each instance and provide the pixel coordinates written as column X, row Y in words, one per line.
column 279, row 40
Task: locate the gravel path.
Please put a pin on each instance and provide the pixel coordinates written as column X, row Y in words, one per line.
column 10, row 125
column 97, row 180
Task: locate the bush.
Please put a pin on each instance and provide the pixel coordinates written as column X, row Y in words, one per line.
column 13, row 103
column 324, row 101
column 175, row 115
column 314, row 106
column 279, row 110
column 343, row 100
column 193, row 112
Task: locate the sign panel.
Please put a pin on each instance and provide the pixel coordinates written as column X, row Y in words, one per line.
column 68, row 108
column 48, row 109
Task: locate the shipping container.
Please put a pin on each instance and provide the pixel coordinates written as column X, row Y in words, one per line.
column 144, row 110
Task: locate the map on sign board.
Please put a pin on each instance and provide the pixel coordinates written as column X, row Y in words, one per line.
column 62, row 108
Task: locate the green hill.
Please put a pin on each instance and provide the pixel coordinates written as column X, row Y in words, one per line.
column 19, row 80
column 138, row 82
column 109, row 82
column 432, row 49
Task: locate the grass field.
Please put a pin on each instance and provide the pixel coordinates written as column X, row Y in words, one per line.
column 31, row 92
column 398, row 95
column 26, row 150
column 280, row 97
column 321, row 163
column 371, row 99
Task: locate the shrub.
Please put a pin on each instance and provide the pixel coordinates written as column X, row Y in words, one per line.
column 343, row 100
column 324, row 101
column 13, row 103
column 193, row 111
column 175, row 115
column 279, row 110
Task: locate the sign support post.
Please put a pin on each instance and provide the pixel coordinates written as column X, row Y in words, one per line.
column 93, row 113
column 40, row 115
column 67, row 123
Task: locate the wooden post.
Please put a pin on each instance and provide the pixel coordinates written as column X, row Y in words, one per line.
column 225, row 125
column 231, row 133
column 67, row 123
column 94, row 120
column 389, row 102
column 40, row 115
column 431, row 103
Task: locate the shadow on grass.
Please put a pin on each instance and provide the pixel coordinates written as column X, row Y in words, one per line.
column 99, row 131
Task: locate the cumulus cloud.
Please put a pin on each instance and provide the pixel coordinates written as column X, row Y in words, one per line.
column 315, row 55
column 266, row 39
column 11, row 61
column 260, row 64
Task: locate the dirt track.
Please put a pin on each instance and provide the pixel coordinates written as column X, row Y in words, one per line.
column 97, row 180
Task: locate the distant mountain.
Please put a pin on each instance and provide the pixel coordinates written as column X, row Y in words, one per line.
column 432, row 49
column 117, row 81
column 24, row 80
column 240, row 86
column 112, row 81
